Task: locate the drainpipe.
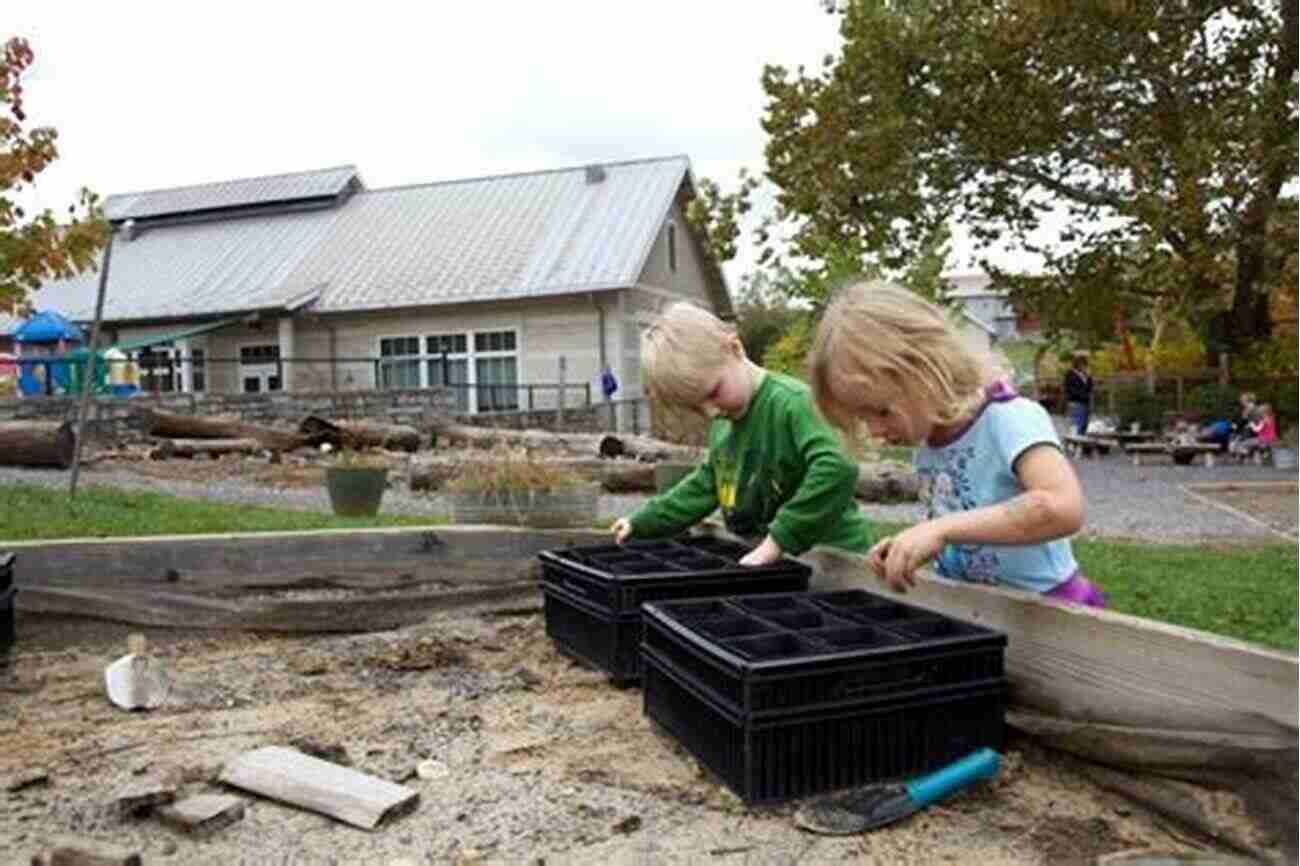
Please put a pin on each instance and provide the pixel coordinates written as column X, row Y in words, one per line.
column 600, row 325
column 600, row 335
column 334, row 354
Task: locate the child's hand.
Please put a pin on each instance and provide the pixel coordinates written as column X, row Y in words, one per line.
column 622, row 529
column 896, row 559
column 768, row 551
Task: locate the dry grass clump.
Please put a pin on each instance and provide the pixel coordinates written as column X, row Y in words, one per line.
column 512, row 470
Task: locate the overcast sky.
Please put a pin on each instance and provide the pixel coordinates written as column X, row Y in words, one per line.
column 148, row 95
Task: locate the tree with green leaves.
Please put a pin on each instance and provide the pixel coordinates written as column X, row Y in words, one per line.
column 37, row 247
column 1163, row 131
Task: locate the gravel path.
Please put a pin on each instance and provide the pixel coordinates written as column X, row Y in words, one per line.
column 1124, row 501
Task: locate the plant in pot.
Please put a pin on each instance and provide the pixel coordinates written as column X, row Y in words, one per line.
column 355, row 482
column 514, row 488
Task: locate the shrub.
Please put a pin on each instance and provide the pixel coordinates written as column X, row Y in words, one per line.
column 1135, row 403
column 789, row 354
column 1214, row 401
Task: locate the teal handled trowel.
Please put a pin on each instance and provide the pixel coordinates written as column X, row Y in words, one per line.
column 874, row 806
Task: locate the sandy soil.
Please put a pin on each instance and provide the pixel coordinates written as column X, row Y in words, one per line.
column 535, row 760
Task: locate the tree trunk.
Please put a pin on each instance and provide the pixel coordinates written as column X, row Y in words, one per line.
column 173, row 426
column 190, row 448
column 614, row 476
column 360, row 434
column 886, row 482
column 37, row 443
column 578, row 444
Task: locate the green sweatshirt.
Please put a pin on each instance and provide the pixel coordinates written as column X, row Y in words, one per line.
column 778, row 470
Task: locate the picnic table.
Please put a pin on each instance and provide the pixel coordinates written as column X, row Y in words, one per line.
column 1088, row 445
column 1183, row 453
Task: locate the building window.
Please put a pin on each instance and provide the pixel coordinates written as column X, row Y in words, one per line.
column 198, row 370
column 672, row 246
column 259, row 368
column 448, row 364
column 160, row 369
column 496, row 371
column 481, row 368
column 399, row 362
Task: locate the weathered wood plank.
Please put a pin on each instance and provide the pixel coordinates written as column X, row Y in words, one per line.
column 359, row 613
column 301, row 780
column 1103, row 668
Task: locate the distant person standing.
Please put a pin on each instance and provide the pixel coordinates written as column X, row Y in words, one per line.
column 1078, row 393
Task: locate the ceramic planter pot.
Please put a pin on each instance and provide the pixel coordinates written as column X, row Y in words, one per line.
column 356, row 491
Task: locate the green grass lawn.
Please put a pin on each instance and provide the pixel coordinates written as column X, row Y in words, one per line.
column 33, row 512
column 1246, row 591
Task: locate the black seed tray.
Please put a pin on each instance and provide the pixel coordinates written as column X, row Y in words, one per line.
column 777, row 654
column 592, row 635
column 619, row 578
column 783, row 758
column 593, row 594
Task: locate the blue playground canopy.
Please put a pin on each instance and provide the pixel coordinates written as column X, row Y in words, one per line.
column 47, row 327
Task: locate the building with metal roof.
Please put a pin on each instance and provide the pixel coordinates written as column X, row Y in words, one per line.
column 502, row 280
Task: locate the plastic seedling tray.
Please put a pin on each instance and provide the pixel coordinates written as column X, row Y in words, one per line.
column 785, row 757
column 594, row 594
column 777, row 654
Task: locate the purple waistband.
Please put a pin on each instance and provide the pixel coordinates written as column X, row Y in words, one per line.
column 1080, row 590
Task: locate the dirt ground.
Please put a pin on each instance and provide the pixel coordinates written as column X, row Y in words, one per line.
column 533, row 760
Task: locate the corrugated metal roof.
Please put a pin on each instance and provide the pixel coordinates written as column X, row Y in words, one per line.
column 500, row 237
column 243, row 192
column 200, row 269
column 497, row 237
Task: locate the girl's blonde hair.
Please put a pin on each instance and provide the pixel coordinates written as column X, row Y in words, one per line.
column 876, row 330
column 681, row 353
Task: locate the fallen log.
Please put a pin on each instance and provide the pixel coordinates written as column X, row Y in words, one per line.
column 359, row 434
column 167, row 449
column 171, row 425
column 577, row 444
column 37, row 443
column 614, row 476
column 887, row 482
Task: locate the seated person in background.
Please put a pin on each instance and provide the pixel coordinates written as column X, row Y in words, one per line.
column 1261, row 432
column 1219, row 432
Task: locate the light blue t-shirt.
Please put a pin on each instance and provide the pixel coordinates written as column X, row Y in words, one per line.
column 977, row 470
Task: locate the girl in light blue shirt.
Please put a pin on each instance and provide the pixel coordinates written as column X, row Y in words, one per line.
column 1001, row 498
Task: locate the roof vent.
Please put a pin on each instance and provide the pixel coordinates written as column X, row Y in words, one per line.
column 595, row 173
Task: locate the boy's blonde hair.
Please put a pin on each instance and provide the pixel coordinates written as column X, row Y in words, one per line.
column 874, row 331
column 681, row 353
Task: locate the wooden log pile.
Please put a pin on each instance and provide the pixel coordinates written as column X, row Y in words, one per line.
column 37, row 443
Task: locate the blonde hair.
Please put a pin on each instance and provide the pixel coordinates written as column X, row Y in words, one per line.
column 682, row 351
column 877, row 330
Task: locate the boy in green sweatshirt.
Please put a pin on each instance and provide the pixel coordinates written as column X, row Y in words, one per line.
column 774, row 467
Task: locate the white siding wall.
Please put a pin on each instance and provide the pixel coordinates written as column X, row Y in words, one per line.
column 544, row 331
column 690, row 278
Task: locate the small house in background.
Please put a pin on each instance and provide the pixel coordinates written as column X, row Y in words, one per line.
column 986, row 308
column 312, row 281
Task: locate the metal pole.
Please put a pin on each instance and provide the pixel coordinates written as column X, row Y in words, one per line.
column 90, row 367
